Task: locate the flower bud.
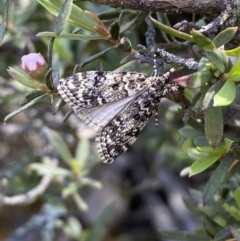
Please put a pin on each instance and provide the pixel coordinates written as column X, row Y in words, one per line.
column 35, row 65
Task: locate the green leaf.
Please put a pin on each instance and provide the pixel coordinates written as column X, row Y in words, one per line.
column 213, row 124
column 130, row 66
column 189, row 132
column 225, row 95
column 4, row 21
column 24, row 107
column 128, row 27
column 218, row 61
column 171, row 31
column 49, row 80
column 223, row 235
column 82, row 152
column 43, row 169
column 71, row 188
column 59, row 145
column 228, row 143
column 86, row 181
column 234, row 77
column 114, row 30
column 194, row 80
column 233, row 211
column 55, row 77
column 31, row 95
column 209, row 95
column 84, row 37
column 80, row 203
column 202, row 41
column 203, row 163
column 77, row 17
column 217, row 178
column 225, row 36
column 63, row 16
column 237, row 197
column 184, row 236
column 23, row 78
column 72, row 228
column 202, row 64
column 235, row 70
column 94, row 57
column 233, row 52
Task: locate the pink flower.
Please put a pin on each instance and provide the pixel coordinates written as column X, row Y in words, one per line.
column 35, row 66
column 32, row 62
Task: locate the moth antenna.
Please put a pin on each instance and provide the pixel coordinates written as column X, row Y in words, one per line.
column 155, row 65
column 156, row 117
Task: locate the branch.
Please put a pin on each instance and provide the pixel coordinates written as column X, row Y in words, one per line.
column 204, row 7
column 30, row 196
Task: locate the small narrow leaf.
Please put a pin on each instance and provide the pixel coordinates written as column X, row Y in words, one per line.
column 62, row 17
column 49, row 80
column 194, row 80
column 216, row 179
column 223, row 235
column 216, row 60
column 77, row 17
column 202, row 41
column 234, row 77
column 31, row 95
column 235, row 70
column 59, row 144
column 226, row 94
column 4, row 21
column 129, row 66
column 232, row 210
column 225, row 36
column 23, row 78
column 209, row 95
column 72, row 36
column 82, row 152
column 213, row 125
column 171, row 31
column 80, row 203
column 55, row 77
column 233, row 52
column 43, row 169
column 203, row 163
column 237, row 197
column 228, row 144
column 92, row 58
column 24, row 107
column 72, row 228
column 114, row 30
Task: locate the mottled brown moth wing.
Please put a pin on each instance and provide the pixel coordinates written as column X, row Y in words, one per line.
column 117, row 105
column 97, row 117
column 122, row 131
column 94, row 88
column 97, row 96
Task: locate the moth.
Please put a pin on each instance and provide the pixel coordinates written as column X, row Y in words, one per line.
column 117, row 105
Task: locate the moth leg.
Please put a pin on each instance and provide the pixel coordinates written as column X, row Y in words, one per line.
column 67, row 115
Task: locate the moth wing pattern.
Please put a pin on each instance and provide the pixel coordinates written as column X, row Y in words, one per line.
column 94, row 88
column 121, row 132
column 117, row 105
column 99, row 116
